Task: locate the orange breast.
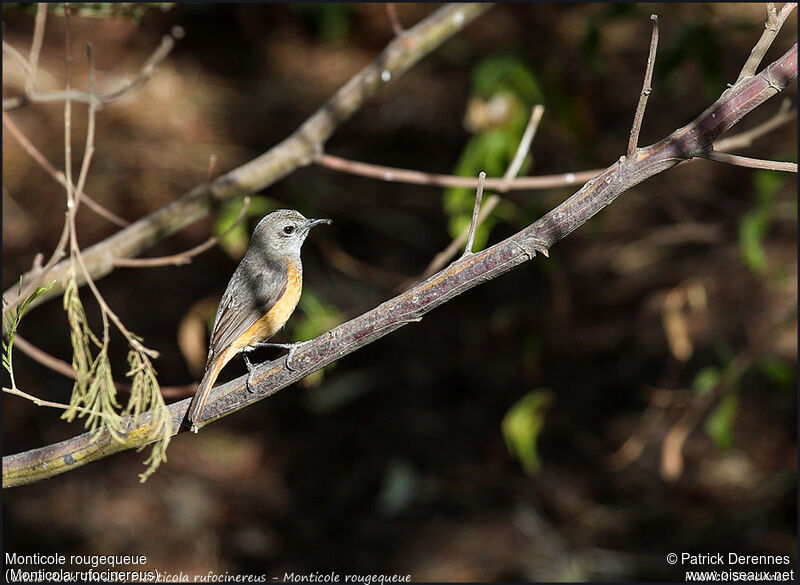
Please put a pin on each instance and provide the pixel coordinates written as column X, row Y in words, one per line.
column 276, row 317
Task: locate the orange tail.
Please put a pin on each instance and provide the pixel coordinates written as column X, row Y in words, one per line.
column 201, row 396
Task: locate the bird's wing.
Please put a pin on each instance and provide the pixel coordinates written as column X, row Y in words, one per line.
column 252, row 291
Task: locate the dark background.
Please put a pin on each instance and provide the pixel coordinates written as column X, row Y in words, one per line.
column 395, row 461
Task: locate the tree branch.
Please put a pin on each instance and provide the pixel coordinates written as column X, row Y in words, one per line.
column 36, row 155
column 752, row 163
column 394, row 174
column 295, row 151
column 771, row 27
column 505, row 183
column 397, row 26
column 185, row 257
column 145, row 73
column 689, row 141
column 473, row 224
column 746, row 138
column 638, row 117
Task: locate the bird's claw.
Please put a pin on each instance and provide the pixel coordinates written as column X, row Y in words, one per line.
column 250, row 368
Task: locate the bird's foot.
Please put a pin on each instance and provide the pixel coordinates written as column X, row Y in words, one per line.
column 292, row 347
column 250, row 368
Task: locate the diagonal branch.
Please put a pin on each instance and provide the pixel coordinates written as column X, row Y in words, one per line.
column 295, row 151
column 773, row 24
column 690, row 141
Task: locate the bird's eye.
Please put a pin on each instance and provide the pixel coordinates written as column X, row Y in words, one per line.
column 289, row 230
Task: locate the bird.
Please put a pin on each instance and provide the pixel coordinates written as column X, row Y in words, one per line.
column 259, row 299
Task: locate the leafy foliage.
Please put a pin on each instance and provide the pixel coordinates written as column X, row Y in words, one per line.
column 146, row 395
column 522, row 425
column 719, row 424
column 504, row 90
column 754, row 226
column 11, row 324
column 94, row 393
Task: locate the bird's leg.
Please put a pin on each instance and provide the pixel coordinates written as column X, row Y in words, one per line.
column 250, row 367
column 292, row 347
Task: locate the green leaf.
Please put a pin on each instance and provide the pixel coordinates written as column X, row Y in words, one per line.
column 767, row 184
column 492, row 152
column 781, row 373
column 752, row 230
column 522, row 425
column 754, row 226
column 12, row 321
column 706, row 380
column 507, row 73
column 719, row 424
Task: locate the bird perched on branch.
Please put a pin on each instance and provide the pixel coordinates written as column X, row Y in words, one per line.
column 261, row 296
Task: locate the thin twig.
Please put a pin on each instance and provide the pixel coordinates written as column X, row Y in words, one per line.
column 746, row 138
column 26, row 67
column 60, row 366
column 88, row 153
column 36, row 154
column 473, row 224
column 184, row 257
column 522, row 149
column 39, row 402
column 213, row 159
column 638, row 117
column 43, row 357
column 149, row 67
column 504, row 185
column 397, row 27
column 36, row 47
column 752, row 163
column 394, row 174
column 60, row 249
column 772, row 25
column 72, row 208
column 144, row 74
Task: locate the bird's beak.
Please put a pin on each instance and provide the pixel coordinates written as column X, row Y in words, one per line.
column 312, row 222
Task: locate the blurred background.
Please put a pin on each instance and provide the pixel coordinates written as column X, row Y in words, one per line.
column 575, row 419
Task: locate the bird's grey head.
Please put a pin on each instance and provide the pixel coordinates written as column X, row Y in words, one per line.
column 281, row 233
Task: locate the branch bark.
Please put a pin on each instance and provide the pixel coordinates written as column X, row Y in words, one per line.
column 687, row 142
column 297, row 150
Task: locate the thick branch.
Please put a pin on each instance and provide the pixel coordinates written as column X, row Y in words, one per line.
column 687, row 142
column 297, row 150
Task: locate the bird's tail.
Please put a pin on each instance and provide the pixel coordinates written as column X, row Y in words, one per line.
column 203, row 389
